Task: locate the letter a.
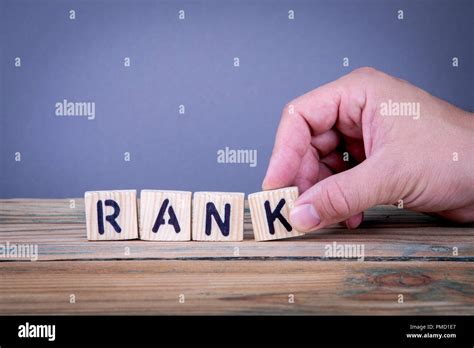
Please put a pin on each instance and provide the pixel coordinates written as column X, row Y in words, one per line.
column 161, row 221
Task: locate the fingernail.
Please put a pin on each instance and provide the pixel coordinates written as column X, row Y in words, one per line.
column 304, row 217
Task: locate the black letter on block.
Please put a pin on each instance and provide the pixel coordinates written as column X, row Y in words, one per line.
column 161, row 221
column 276, row 214
column 223, row 226
column 109, row 218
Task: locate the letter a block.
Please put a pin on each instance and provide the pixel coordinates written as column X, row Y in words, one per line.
column 218, row 216
column 111, row 215
column 165, row 215
column 270, row 211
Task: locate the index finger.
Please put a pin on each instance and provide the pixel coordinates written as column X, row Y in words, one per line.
column 313, row 113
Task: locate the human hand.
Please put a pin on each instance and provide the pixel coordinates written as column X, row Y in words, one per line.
column 423, row 159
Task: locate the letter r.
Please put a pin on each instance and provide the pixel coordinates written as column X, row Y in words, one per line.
column 109, row 218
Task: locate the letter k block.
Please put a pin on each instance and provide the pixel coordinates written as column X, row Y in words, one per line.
column 270, row 211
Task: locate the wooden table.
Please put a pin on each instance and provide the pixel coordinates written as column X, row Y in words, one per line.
column 407, row 255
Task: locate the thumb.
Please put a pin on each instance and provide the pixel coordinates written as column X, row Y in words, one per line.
column 341, row 196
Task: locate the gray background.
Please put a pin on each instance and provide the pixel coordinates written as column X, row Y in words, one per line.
column 191, row 62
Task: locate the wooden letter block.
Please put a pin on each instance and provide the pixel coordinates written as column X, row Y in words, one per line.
column 165, row 215
column 218, row 216
column 111, row 215
column 270, row 211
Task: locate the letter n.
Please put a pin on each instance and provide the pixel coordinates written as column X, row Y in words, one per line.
column 211, row 212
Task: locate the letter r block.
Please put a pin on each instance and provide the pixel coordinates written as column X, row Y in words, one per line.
column 111, row 215
column 270, row 211
column 165, row 215
column 218, row 216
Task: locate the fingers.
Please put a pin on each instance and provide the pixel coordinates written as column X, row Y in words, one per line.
column 326, row 142
column 292, row 141
column 324, row 172
column 308, row 172
column 356, row 149
column 335, row 162
column 461, row 215
column 354, row 221
column 311, row 114
column 307, row 123
column 340, row 197
column 329, row 165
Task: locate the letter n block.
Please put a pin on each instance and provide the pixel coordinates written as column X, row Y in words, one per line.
column 165, row 215
column 111, row 215
column 218, row 216
column 270, row 211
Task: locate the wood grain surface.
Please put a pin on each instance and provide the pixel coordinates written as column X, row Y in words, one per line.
column 428, row 261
